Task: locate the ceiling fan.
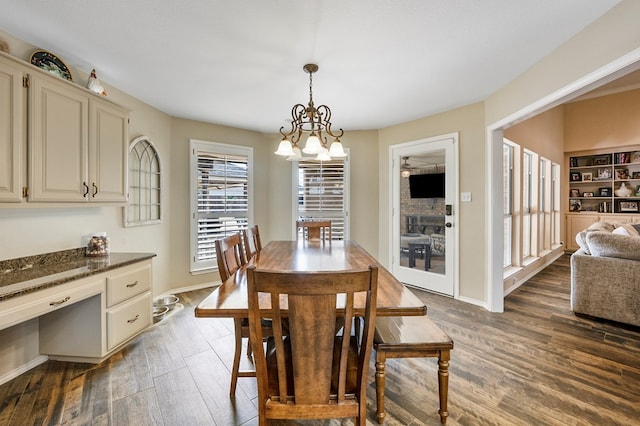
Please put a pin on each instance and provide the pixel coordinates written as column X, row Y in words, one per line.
column 405, row 168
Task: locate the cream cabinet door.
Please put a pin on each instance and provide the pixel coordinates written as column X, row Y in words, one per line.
column 575, row 224
column 11, row 131
column 58, row 141
column 108, row 127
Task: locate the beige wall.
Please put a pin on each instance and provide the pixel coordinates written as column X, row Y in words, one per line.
column 609, row 121
column 363, row 151
column 469, row 123
column 543, row 134
column 611, row 37
column 181, row 132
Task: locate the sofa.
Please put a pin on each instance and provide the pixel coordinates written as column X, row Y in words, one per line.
column 605, row 273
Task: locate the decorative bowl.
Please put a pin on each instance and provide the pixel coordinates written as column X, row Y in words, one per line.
column 168, row 301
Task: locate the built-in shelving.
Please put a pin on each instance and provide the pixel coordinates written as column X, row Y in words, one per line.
column 605, row 182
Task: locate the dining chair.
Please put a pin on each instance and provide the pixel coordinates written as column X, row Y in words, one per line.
column 231, row 258
column 314, row 230
column 313, row 372
column 252, row 243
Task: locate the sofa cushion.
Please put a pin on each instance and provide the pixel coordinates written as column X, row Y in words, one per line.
column 602, row 226
column 594, row 227
column 631, row 230
column 613, row 245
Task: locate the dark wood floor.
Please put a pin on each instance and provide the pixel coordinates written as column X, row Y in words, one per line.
column 536, row 364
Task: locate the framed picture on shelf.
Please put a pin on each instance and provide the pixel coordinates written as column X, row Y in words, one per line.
column 601, row 160
column 628, row 206
column 635, row 175
column 575, row 205
column 635, row 157
column 587, row 177
column 575, row 177
column 622, row 174
column 587, row 194
column 604, row 192
column 574, row 193
column 604, row 173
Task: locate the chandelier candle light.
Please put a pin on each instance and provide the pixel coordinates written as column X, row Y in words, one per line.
column 317, row 121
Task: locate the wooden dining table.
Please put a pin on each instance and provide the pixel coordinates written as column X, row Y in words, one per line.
column 230, row 299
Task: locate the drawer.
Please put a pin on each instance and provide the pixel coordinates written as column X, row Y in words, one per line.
column 22, row 308
column 127, row 283
column 128, row 319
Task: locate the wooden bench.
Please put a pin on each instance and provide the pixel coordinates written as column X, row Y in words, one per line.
column 411, row 337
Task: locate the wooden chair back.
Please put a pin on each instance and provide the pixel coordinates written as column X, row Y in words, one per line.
column 229, row 255
column 314, row 230
column 252, row 243
column 311, row 373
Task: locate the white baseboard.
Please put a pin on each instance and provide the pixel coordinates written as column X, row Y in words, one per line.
column 189, row 288
column 23, row 369
column 471, row 301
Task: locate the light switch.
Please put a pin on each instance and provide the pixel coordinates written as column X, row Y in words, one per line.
column 465, row 196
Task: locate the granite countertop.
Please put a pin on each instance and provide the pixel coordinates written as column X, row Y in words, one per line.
column 28, row 274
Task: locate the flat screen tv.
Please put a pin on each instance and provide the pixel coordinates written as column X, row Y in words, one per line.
column 427, row 186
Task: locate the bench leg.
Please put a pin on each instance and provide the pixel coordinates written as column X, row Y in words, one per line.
column 380, row 383
column 443, row 384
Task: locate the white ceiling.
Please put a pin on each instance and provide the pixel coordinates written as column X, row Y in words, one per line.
column 239, row 63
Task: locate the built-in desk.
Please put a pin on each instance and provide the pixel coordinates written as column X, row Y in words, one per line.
column 88, row 307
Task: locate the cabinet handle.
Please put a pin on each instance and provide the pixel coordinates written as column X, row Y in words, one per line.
column 132, row 284
column 86, row 189
column 60, row 302
column 95, row 189
column 134, row 319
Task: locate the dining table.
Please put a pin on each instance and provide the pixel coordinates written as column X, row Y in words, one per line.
column 230, row 300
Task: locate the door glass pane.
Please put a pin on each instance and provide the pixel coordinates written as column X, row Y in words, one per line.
column 422, row 212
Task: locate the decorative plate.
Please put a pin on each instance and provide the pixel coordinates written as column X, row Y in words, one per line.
column 50, row 62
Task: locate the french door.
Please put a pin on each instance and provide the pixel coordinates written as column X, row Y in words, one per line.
column 424, row 188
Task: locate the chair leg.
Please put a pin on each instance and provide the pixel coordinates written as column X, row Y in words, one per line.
column 380, row 384
column 237, row 325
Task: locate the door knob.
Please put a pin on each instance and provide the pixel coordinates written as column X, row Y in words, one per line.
column 448, row 224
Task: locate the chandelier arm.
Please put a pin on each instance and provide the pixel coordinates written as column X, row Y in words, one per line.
column 297, row 118
column 324, row 112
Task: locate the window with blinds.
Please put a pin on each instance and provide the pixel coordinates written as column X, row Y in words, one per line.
column 221, row 202
column 322, row 193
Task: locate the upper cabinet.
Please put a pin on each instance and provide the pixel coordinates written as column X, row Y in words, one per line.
column 76, row 140
column 12, row 121
column 77, row 144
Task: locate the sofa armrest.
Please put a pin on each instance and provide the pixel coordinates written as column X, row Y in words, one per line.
column 606, row 287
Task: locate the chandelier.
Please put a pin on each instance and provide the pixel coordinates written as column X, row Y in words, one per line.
column 316, row 121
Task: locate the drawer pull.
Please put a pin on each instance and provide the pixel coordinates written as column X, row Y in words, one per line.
column 132, row 284
column 134, row 319
column 60, row 302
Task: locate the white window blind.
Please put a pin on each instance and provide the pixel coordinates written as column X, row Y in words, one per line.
column 322, row 193
column 222, row 197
